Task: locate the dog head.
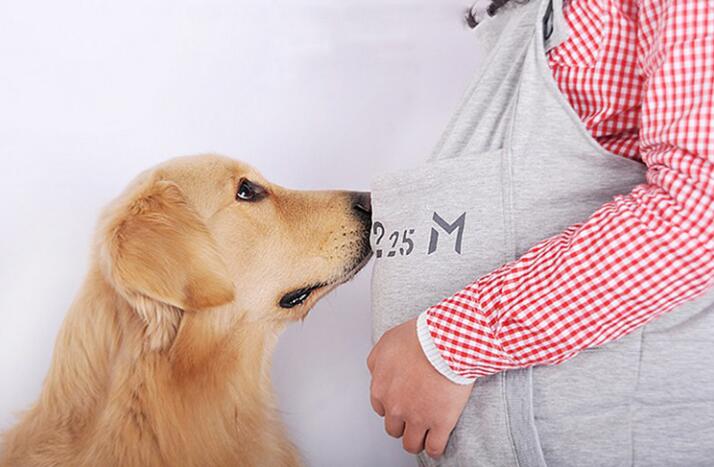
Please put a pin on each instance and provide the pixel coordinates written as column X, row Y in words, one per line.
column 207, row 232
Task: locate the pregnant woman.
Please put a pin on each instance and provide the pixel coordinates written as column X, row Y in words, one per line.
column 542, row 288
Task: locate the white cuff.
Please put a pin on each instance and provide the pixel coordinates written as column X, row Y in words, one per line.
column 433, row 355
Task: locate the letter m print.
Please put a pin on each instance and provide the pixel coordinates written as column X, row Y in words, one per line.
column 457, row 225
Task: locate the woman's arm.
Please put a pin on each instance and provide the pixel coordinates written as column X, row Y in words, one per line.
column 635, row 258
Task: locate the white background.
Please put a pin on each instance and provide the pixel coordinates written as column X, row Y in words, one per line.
column 315, row 93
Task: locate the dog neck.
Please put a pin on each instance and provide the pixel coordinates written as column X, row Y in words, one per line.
column 206, row 393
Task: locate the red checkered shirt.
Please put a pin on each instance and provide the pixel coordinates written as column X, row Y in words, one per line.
column 640, row 74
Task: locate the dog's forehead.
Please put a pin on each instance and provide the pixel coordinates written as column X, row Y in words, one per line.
column 206, row 179
column 204, row 167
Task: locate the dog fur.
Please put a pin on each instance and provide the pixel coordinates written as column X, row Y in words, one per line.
column 163, row 358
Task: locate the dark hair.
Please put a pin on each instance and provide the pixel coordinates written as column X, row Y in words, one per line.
column 490, row 11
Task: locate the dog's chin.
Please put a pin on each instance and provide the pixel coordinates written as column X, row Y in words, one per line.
column 304, row 298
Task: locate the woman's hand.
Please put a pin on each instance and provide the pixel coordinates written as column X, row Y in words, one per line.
column 416, row 401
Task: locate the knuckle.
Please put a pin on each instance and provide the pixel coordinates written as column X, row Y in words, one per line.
column 370, row 360
column 414, row 419
column 377, row 391
column 396, row 411
column 376, row 407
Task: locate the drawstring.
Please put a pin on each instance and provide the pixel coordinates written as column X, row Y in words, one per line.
column 482, row 8
column 548, row 21
column 478, row 12
column 471, row 20
column 495, row 5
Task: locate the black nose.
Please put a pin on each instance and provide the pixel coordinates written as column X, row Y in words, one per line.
column 362, row 203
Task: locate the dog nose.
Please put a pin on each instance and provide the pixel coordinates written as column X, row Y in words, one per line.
column 362, row 203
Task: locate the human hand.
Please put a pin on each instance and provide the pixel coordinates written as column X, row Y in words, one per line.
column 416, row 401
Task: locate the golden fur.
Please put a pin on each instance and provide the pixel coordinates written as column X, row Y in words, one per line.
column 163, row 358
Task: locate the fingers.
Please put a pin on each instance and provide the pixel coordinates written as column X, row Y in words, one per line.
column 377, row 406
column 394, row 426
column 376, row 399
column 435, row 442
column 370, row 360
column 413, row 440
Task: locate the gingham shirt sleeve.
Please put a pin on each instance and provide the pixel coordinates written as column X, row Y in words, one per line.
column 637, row 257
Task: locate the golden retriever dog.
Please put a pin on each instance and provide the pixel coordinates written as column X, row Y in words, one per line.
column 164, row 356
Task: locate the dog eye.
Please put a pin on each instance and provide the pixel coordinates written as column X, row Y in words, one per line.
column 249, row 191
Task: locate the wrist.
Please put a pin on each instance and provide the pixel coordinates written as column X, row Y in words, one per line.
column 426, row 341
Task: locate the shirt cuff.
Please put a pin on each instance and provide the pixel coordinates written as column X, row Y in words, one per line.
column 433, row 355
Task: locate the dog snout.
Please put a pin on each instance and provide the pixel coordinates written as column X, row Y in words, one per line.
column 362, row 204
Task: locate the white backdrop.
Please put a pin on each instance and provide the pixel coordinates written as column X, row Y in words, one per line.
column 315, row 93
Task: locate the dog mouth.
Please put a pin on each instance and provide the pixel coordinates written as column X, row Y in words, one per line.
column 299, row 296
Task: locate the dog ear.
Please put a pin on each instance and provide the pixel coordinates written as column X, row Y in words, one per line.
column 162, row 257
